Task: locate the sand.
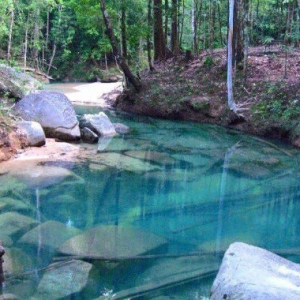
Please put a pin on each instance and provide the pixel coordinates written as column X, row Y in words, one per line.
column 93, row 94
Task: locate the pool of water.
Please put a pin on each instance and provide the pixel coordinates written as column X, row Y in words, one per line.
column 148, row 214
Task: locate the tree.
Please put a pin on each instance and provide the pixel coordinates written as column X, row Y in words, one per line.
column 231, row 102
column 123, row 29
column 149, row 23
column 159, row 39
column 174, row 29
column 110, row 32
column 12, row 21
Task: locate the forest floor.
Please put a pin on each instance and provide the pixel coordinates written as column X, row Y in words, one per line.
column 196, row 90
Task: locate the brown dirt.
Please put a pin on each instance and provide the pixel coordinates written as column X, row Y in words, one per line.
column 10, row 143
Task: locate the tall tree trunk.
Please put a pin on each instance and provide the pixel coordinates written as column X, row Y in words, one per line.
column 12, row 20
column 246, row 39
column 211, row 26
column 123, row 29
column 174, row 31
column 237, row 44
column 35, row 52
column 51, row 58
column 231, row 102
column 46, row 44
column 298, row 24
column 220, row 25
column 166, row 20
column 182, row 24
column 122, row 63
column 159, row 40
column 149, row 23
column 25, row 47
column 194, row 26
column 199, row 18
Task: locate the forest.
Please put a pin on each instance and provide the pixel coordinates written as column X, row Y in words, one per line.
column 67, row 39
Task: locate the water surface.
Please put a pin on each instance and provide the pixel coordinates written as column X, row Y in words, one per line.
column 191, row 189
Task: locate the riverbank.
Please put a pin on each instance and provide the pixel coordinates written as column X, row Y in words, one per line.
column 196, row 90
column 13, row 144
column 89, row 94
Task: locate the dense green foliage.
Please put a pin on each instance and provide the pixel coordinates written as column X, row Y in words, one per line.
column 66, row 37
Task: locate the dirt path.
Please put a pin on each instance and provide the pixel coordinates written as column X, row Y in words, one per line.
column 94, row 94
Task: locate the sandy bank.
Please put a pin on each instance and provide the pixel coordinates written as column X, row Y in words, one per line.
column 93, row 94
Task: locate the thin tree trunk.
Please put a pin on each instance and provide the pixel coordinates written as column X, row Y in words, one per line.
column 231, row 102
column 166, row 20
column 199, row 14
column 211, row 26
column 26, row 44
column 123, row 30
column 204, row 32
column 51, row 58
column 246, row 39
column 122, row 63
column 174, row 31
column 298, row 24
column 149, row 21
column 220, row 25
column 194, row 26
column 182, row 23
column 12, row 20
column 36, row 38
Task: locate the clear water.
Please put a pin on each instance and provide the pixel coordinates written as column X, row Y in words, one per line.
column 200, row 187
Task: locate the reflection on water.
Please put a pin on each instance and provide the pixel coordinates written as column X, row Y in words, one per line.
column 153, row 209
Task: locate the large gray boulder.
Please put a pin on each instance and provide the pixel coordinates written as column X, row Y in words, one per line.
column 54, row 111
column 249, row 272
column 15, row 83
column 34, row 133
column 98, row 123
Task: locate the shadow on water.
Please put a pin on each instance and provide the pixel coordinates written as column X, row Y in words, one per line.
column 150, row 215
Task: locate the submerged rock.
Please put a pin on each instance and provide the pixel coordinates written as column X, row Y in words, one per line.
column 36, row 174
column 153, row 156
column 112, row 242
column 170, row 272
column 63, row 279
column 54, row 111
column 14, row 204
column 9, row 297
column 12, row 222
column 249, row 272
column 125, row 162
column 16, row 261
column 51, row 234
column 103, row 143
column 121, row 128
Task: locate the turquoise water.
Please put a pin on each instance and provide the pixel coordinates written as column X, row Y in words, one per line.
column 189, row 189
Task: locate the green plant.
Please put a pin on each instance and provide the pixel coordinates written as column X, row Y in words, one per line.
column 209, row 62
column 6, row 116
